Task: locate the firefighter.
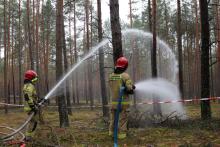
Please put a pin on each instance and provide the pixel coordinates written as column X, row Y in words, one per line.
column 116, row 80
column 31, row 102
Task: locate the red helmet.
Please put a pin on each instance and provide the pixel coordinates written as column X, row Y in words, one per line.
column 122, row 62
column 30, row 75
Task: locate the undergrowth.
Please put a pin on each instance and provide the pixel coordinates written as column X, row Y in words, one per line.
column 89, row 129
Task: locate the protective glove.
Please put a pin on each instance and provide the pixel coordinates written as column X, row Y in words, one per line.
column 129, row 91
column 133, row 86
column 34, row 108
column 39, row 100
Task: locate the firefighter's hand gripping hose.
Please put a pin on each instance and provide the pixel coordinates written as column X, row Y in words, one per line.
column 117, row 112
column 9, row 136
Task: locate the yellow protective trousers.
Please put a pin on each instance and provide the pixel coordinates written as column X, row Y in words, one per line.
column 122, row 123
column 31, row 127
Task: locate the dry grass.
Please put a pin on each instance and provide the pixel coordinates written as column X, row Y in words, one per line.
column 88, row 129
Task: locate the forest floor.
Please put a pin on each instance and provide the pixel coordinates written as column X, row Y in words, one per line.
column 88, row 129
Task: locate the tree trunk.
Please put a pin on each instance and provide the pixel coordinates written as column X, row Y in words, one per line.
column 154, row 47
column 89, row 65
column 150, row 15
column 101, row 63
column 91, row 25
column 67, row 83
column 33, row 36
column 156, row 106
column 29, row 36
column 197, row 52
column 13, row 62
column 5, row 59
column 9, row 48
column 166, row 22
column 130, row 11
column 134, row 50
column 188, row 64
column 37, row 45
column 179, row 44
column 205, row 91
column 26, row 52
column 19, row 54
column 212, row 92
column 63, row 115
column 75, row 53
column 218, row 47
column 46, row 51
column 115, row 29
column 72, row 92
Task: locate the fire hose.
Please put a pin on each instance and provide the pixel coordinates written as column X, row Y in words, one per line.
column 9, row 136
column 19, row 129
column 117, row 112
column 16, row 131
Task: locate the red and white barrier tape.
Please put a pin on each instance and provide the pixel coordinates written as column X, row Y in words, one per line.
column 12, row 105
column 149, row 103
column 77, row 107
column 180, row 101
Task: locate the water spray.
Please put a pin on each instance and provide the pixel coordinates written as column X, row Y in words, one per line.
column 93, row 50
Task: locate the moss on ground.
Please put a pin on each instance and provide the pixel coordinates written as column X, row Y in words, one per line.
column 87, row 129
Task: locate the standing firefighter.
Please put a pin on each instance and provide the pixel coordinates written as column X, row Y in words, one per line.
column 31, row 102
column 117, row 80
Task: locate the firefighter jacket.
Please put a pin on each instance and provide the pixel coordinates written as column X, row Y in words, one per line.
column 115, row 82
column 30, row 96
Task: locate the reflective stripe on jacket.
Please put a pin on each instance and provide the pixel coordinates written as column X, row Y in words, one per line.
column 30, row 96
column 115, row 82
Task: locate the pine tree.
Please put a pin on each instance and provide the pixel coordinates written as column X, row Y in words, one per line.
column 64, row 120
column 101, row 62
column 205, row 89
column 179, row 44
column 116, row 30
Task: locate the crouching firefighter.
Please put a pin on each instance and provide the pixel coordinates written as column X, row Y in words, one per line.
column 31, row 102
column 117, row 80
